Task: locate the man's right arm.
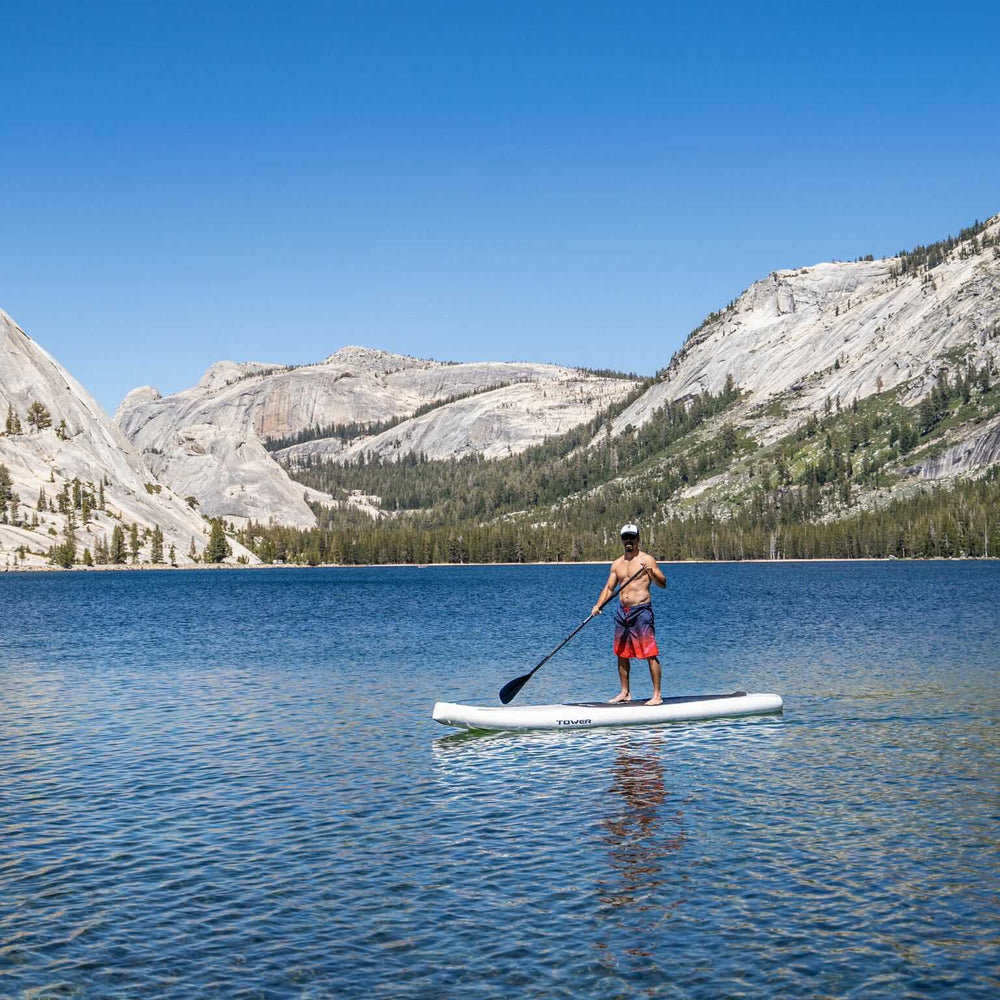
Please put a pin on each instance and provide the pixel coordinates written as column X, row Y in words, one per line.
column 609, row 589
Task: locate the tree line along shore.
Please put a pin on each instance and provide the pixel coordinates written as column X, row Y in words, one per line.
column 959, row 521
column 956, row 522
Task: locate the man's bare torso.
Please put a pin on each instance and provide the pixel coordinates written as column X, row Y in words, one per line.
column 637, row 592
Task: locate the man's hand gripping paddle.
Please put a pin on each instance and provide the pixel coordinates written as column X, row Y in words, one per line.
column 510, row 690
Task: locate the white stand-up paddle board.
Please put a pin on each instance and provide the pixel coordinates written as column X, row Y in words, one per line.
column 587, row 715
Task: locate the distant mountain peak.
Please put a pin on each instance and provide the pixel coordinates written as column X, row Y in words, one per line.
column 224, row 373
column 373, row 360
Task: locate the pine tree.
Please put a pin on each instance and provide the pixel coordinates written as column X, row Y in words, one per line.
column 927, row 413
column 964, row 387
column 85, row 508
column 88, row 559
column 41, row 499
column 729, row 440
column 6, row 492
column 100, row 495
column 133, row 541
column 13, row 424
column 156, row 554
column 908, row 438
column 192, row 551
column 39, row 416
column 173, row 555
column 218, row 547
column 117, row 554
column 65, row 554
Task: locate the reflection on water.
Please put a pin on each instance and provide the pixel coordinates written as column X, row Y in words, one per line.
column 643, row 831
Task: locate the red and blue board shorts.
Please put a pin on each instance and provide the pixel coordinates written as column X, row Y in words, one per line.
column 635, row 637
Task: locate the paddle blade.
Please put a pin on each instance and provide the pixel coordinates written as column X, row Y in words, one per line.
column 509, row 691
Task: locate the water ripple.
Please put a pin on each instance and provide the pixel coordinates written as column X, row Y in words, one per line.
column 228, row 785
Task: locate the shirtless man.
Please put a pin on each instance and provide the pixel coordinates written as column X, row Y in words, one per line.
column 634, row 635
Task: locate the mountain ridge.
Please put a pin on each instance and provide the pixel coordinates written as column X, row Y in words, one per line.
column 847, row 329
column 74, row 448
column 209, row 440
column 908, row 347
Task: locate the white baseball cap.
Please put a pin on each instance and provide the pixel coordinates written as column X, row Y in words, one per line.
column 629, row 529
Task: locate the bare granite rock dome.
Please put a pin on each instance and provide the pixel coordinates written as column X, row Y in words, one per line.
column 79, row 443
column 208, row 441
column 494, row 424
column 840, row 330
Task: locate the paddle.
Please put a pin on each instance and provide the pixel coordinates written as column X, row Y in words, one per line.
column 509, row 691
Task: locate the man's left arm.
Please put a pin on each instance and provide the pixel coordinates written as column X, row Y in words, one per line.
column 655, row 573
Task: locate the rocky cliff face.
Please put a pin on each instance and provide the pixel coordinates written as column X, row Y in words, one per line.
column 79, row 443
column 214, row 456
column 842, row 330
column 207, row 441
column 495, row 423
column 976, row 447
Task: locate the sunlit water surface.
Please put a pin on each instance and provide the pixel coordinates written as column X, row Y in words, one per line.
column 228, row 784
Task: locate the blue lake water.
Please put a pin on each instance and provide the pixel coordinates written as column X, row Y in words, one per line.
column 228, row 784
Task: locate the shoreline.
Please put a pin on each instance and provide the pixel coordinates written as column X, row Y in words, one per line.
column 159, row 568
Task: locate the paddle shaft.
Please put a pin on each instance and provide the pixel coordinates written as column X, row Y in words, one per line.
column 512, row 687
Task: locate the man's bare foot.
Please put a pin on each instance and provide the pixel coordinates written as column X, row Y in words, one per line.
column 655, row 700
column 620, row 697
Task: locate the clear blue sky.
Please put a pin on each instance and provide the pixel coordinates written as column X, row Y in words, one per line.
column 573, row 181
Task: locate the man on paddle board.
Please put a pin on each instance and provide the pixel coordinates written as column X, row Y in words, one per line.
column 634, row 629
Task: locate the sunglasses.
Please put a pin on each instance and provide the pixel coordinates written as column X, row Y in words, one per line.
column 629, row 538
